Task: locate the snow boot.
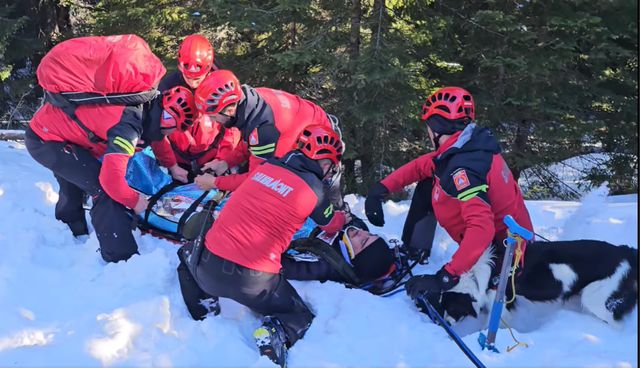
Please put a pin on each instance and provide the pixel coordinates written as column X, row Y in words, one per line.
column 271, row 340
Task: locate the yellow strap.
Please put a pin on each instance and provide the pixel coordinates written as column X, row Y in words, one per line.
column 516, row 262
column 518, row 343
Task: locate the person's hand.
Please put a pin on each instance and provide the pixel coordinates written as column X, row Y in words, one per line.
column 347, row 217
column 373, row 204
column 219, row 167
column 205, row 181
column 179, row 173
column 141, row 205
column 430, row 284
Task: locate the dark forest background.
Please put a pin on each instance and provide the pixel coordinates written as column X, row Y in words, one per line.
column 554, row 79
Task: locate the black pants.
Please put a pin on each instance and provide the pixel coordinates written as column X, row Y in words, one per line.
column 319, row 270
column 77, row 172
column 265, row 293
column 420, row 224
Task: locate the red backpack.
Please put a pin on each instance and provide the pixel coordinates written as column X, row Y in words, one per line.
column 117, row 70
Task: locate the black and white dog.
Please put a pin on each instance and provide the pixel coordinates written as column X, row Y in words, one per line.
column 601, row 276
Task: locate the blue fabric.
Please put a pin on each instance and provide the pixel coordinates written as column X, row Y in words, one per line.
column 145, row 175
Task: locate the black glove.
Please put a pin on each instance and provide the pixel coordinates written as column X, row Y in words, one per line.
column 430, row 284
column 373, row 204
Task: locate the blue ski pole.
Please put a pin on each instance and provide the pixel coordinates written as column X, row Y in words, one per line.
column 517, row 234
column 427, row 308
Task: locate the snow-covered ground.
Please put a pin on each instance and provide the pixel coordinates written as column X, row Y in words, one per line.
column 60, row 305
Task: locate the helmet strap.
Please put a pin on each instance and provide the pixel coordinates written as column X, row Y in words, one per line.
column 436, row 139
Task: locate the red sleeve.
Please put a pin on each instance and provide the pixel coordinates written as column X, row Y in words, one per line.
column 478, row 235
column 336, row 223
column 233, row 152
column 113, row 182
column 232, row 182
column 411, row 172
column 164, row 153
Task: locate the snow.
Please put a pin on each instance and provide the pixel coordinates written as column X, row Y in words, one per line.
column 61, row 305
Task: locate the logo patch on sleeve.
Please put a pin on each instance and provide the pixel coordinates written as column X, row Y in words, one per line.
column 253, row 137
column 460, row 179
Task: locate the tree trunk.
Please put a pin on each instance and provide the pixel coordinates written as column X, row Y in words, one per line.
column 354, row 35
column 520, row 147
column 378, row 29
column 53, row 20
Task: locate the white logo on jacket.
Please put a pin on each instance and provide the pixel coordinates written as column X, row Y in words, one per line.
column 274, row 184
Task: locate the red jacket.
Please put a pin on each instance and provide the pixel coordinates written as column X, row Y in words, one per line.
column 119, row 126
column 258, row 222
column 201, row 143
column 271, row 122
column 473, row 191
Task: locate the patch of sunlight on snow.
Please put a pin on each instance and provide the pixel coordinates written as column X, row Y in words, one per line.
column 121, row 333
column 50, row 195
column 623, row 365
column 559, row 211
column 591, row 338
column 26, row 338
column 395, row 208
column 165, row 318
column 27, row 314
column 615, row 221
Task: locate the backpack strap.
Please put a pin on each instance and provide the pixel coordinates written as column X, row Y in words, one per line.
column 326, row 252
column 68, row 102
column 69, row 109
column 154, row 198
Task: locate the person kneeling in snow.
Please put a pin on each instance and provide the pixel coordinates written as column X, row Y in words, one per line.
column 241, row 257
column 473, row 188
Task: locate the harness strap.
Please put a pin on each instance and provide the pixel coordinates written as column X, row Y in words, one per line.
column 323, row 250
column 154, row 198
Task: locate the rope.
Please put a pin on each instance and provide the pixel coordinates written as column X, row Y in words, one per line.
column 518, row 343
column 516, row 261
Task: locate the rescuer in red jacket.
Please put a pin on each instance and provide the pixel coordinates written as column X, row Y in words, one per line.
column 473, row 188
column 241, row 260
column 98, row 167
column 196, row 59
column 269, row 120
column 198, row 138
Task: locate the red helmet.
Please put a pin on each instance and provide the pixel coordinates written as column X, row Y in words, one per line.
column 179, row 109
column 320, row 141
column 195, row 56
column 219, row 90
column 452, row 103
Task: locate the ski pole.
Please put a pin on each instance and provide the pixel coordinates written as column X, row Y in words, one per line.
column 424, row 304
column 517, row 234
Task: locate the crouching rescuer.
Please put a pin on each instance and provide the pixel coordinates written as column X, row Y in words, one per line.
column 241, row 259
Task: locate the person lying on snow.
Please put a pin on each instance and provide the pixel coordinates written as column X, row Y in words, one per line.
column 199, row 140
column 352, row 256
column 87, row 144
column 241, row 257
column 473, row 188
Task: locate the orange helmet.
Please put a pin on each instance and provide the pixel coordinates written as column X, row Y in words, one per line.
column 179, row 109
column 195, row 56
column 452, row 103
column 320, row 141
column 220, row 89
